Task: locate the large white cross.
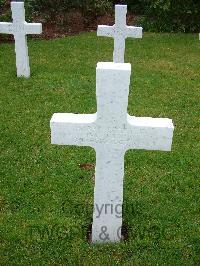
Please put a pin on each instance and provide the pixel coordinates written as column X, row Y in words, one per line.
column 19, row 28
column 120, row 31
column 111, row 132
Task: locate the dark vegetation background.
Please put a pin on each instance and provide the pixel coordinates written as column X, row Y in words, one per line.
column 82, row 15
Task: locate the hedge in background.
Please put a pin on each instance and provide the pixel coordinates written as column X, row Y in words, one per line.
column 155, row 15
column 52, row 9
column 172, row 15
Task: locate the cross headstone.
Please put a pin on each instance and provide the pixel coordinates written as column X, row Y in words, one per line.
column 111, row 132
column 120, row 31
column 20, row 28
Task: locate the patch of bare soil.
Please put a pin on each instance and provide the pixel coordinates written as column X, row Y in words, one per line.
column 73, row 24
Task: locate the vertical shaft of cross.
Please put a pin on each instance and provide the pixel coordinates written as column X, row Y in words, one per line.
column 112, row 89
column 22, row 59
column 21, row 47
column 18, row 12
column 108, row 194
column 120, row 33
column 120, row 15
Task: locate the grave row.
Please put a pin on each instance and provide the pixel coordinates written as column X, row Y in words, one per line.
column 110, row 131
column 20, row 29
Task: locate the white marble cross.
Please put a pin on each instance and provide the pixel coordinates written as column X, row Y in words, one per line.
column 120, row 31
column 19, row 28
column 111, row 132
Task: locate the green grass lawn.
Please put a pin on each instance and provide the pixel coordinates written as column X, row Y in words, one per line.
column 46, row 197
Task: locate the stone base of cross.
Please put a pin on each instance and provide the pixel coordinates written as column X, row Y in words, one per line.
column 20, row 28
column 111, row 132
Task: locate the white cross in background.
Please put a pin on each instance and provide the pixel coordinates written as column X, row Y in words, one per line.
column 120, row 31
column 19, row 28
column 111, row 132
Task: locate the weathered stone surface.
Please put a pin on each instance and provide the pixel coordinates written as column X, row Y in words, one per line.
column 120, row 31
column 111, row 132
column 20, row 28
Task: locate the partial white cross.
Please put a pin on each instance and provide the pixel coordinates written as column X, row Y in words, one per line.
column 120, row 31
column 111, row 132
column 19, row 28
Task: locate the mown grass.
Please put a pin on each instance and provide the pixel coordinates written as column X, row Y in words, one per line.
column 46, row 198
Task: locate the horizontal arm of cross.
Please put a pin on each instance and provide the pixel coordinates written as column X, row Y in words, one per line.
column 105, row 31
column 33, row 28
column 73, row 129
column 134, row 32
column 5, row 27
column 150, row 133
